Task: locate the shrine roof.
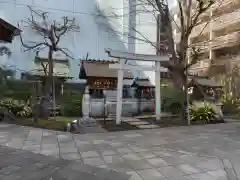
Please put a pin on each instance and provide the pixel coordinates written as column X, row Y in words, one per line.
column 100, row 68
column 142, row 83
column 8, row 31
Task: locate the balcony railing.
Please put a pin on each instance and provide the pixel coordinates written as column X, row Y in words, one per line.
column 225, row 20
column 217, row 43
column 222, row 61
column 227, row 40
column 217, row 22
column 221, row 3
column 225, row 8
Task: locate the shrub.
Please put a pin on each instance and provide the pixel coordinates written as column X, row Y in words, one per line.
column 16, row 90
column 230, row 106
column 172, row 100
column 72, row 106
column 202, row 111
column 16, row 107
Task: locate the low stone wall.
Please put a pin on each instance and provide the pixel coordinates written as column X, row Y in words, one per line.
column 129, row 106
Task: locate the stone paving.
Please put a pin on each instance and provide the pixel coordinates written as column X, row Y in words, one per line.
column 21, row 164
column 210, row 152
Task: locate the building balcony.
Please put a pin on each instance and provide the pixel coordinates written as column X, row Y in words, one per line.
column 219, row 42
column 226, row 41
column 223, row 61
column 201, row 64
column 218, row 4
column 225, row 7
column 226, row 20
column 222, row 64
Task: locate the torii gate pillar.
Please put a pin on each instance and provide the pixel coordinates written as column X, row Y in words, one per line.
column 119, row 93
column 158, row 90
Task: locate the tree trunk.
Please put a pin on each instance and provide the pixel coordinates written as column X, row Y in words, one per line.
column 48, row 86
column 186, row 100
column 177, row 80
column 180, row 82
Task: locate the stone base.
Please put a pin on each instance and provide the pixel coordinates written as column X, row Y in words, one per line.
column 87, row 122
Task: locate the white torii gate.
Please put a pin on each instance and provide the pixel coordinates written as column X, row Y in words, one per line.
column 121, row 66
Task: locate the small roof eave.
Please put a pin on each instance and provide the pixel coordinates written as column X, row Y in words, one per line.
column 100, row 68
column 16, row 31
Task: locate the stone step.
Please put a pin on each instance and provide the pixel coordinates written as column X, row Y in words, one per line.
column 148, row 126
column 131, row 120
column 137, row 123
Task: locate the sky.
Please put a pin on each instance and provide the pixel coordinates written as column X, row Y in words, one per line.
column 171, row 3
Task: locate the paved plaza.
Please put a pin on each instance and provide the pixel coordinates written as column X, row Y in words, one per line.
column 210, row 152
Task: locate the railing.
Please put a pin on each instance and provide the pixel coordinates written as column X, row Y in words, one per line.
column 216, row 23
column 221, row 61
column 202, row 64
column 227, row 40
column 226, row 19
column 221, row 3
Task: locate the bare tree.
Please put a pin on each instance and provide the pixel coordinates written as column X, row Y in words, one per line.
column 51, row 33
column 189, row 12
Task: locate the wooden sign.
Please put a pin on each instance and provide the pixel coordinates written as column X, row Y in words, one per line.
column 102, row 83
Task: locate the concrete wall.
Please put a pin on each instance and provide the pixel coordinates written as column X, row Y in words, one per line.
column 92, row 38
column 129, row 106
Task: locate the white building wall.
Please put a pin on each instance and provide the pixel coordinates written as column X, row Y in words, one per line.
column 147, row 31
column 91, row 39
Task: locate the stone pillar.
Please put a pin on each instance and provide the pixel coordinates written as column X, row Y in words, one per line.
column 86, row 103
column 86, row 120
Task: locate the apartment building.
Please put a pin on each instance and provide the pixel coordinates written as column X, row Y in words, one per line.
column 218, row 37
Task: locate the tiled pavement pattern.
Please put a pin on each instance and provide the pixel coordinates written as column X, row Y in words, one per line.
column 210, row 152
column 21, row 164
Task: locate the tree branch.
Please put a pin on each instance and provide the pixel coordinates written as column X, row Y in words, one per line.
column 45, row 68
column 64, row 51
column 68, row 25
column 35, row 47
column 201, row 8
